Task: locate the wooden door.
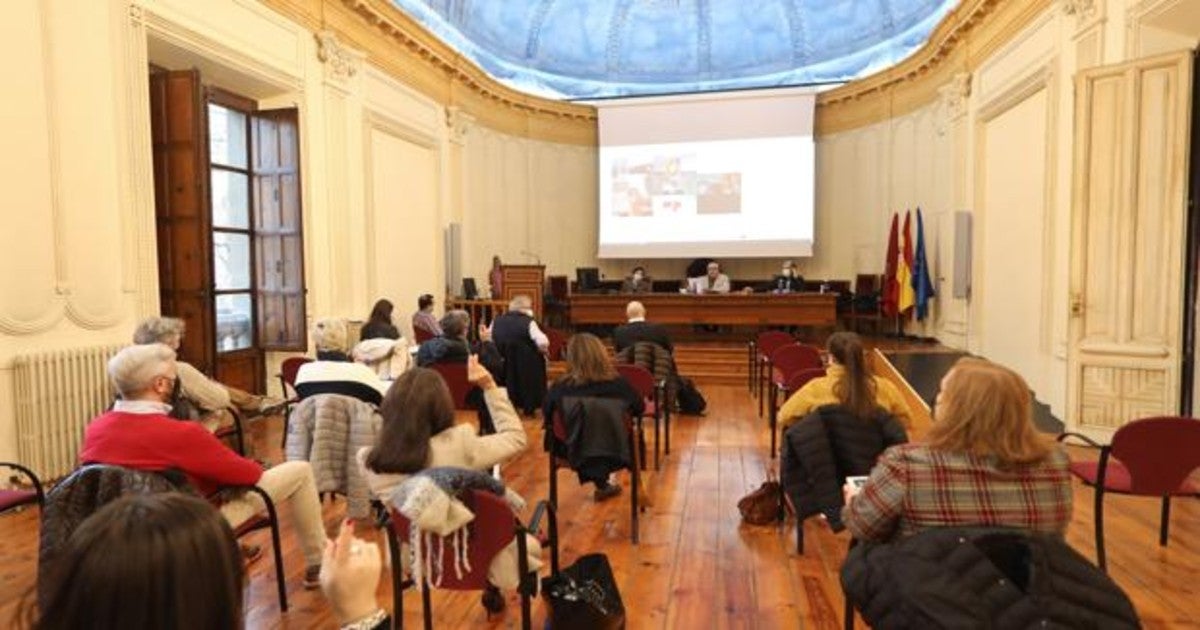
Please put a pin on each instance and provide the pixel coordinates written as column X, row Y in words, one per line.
column 279, row 243
column 1128, row 218
column 181, row 210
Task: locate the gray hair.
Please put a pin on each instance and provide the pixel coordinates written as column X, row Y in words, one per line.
column 635, row 309
column 158, row 329
column 330, row 335
column 455, row 323
column 520, row 303
column 134, row 368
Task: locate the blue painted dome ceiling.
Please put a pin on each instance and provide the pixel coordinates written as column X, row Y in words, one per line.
column 600, row 48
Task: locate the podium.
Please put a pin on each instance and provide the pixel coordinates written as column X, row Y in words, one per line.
column 523, row 280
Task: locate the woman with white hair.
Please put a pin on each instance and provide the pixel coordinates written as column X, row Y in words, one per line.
column 208, row 396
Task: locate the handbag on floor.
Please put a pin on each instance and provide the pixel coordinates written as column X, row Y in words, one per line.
column 763, row 506
column 584, row 596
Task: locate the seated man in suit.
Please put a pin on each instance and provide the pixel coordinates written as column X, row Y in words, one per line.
column 788, row 281
column 637, row 282
column 712, row 282
column 638, row 329
column 139, row 434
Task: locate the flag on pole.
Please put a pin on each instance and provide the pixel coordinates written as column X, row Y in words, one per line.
column 922, row 284
column 907, row 298
column 891, row 289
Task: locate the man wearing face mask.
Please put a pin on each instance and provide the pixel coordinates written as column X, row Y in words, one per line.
column 788, row 281
column 137, row 433
column 637, row 282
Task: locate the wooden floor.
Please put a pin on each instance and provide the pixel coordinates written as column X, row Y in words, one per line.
column 696, row 566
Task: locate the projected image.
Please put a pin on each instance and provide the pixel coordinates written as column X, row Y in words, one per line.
column 672, row 185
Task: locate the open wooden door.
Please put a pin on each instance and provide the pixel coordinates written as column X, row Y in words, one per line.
column 181, row 210
column 278, row 237
column 1128, row 230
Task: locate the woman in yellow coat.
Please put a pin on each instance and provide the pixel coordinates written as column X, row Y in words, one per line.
column 847, row 382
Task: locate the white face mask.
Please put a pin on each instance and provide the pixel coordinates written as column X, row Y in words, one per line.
column 787, row 272
column 637, row 276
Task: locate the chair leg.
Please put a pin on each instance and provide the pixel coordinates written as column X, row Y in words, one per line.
column 1099, row 511
column 553, row 501
column 750, row 366
column 283, row 439
column 1165, row 523
column 848, row 614
column 397, row 577
column 771, row 416
column 799, row 536
column 667, row 428
column 426, row 606
column 657, row 413
column 277, row 548
column 633, row 500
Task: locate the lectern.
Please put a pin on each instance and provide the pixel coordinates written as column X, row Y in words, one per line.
column 524, row 280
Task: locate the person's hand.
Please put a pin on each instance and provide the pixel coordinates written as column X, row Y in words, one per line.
column 485, row 333
column 477, row 374
column 350, row 574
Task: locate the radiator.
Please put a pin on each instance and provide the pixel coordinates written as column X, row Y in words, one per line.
column 57, row 393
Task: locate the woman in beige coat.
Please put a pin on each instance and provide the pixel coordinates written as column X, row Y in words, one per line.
column 419, row 432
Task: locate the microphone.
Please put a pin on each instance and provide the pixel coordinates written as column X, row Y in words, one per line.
column 532, row 255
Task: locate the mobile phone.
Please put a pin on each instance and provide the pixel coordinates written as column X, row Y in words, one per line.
column 857, row 482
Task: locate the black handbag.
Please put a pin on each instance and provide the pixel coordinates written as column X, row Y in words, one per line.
column 584, row 596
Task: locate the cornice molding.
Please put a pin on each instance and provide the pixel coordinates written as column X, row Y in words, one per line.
column 966, row 37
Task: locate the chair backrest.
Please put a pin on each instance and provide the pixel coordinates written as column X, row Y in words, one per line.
column 639, row 378
column 794, row 357
column 80, row 494
column 866, row 284
column 491, row 531
column 455, row 375
column 558, row 344
column 422, row 335
column 800, row 378
column 585, row 408
column 288, row 370
column 1159, row 452
column 770, row 340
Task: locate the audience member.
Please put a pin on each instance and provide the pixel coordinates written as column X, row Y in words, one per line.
column 419, row 432
column 138, row 434
column 638, row 329
column 522, row 344
column 847, row 382
column 590, row 372
column 379, row 325
column 209, row 397
column 788, row 280
column 333, row 372
column 424, row 319
column 981, row 464
column 147, row 561
column 637, row 282
column 451, row 345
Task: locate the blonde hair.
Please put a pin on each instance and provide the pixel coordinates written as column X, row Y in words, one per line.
column 986, row 410
column 330, row 335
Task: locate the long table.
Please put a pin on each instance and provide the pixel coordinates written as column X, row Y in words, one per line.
column 753, row 309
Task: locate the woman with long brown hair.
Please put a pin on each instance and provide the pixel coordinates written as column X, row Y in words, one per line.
column 848, row 382
column 982, row 463
column 590, row 372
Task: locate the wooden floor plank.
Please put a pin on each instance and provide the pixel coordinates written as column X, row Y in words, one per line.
column 697, row 565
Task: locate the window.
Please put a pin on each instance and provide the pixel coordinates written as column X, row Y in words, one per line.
column 229, row 183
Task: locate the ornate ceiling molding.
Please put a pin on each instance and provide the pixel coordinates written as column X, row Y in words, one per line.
column 341, row 63
column 458, row 123
column 954, row 98
column 965, row 39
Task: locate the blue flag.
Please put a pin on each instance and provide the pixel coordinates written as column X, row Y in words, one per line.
column 921, row 284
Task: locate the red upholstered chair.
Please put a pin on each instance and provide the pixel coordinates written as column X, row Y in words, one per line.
column 287, row 386
column 652, row 393
column 13, row 499
column 422, row 335
column 781, row 391
column 558, row 344
column 494, row 527
column 636, row 450
column 765, row 345
column 455, row 375
column 785, row 361
column 1147, row 457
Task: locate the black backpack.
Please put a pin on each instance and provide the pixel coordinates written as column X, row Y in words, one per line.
column 690, row 400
